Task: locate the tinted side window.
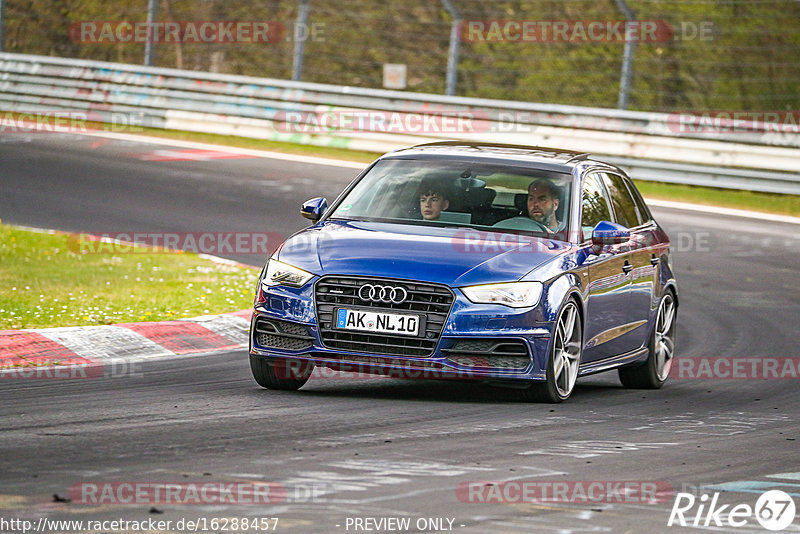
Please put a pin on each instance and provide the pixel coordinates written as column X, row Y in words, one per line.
column 641, row 207
column 594, row 206
column 621, row 199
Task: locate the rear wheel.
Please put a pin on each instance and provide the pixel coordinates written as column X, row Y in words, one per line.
column 280, row 374
column 564, row 361
column 654, row 372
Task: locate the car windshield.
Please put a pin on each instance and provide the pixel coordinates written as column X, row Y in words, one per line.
column 488, row 196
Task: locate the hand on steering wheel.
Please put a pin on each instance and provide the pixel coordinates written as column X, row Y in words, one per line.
column 522, row 223
column 544, row 229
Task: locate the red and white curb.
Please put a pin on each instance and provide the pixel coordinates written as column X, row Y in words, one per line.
column 100, row 345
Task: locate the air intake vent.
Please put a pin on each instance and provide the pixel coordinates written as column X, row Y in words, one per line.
column 506, row 354
column 275, row 334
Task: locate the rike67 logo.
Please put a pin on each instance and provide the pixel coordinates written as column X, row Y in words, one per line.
column 774, row 510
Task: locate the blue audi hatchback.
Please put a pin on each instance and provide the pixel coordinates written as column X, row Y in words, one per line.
column 514, row 265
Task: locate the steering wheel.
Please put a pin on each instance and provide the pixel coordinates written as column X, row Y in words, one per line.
column 522, row 223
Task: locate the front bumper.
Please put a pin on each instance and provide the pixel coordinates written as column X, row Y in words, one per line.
column 477, row 342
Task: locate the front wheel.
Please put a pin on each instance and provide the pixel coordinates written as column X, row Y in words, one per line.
column 283, row 375
column 654, row 371
column 564, row 361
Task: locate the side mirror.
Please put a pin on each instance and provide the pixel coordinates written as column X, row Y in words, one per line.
column 314, row 209
column 608, row 233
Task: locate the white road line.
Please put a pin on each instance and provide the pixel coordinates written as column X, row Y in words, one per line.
column 316, row 160
column 722, row 211
column 788, row 476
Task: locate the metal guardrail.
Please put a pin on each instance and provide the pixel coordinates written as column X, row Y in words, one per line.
column 651, row 146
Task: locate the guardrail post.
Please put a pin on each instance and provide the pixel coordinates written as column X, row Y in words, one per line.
column 452, row 55
column 627, row 57
column 150, row 45
column 2, row 25
column 299, row 44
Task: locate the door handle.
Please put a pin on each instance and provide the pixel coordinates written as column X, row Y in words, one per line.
column 627, row 267
column 654, row 260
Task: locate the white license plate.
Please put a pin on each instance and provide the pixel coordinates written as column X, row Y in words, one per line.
column 385, row 323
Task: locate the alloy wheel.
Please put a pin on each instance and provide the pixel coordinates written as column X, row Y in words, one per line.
column 567, row 349
column 665, row 336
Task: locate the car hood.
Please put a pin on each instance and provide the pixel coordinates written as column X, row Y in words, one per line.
column 452, row 256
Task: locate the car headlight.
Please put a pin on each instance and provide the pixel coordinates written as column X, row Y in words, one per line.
column 513, row 295
column 283, row 274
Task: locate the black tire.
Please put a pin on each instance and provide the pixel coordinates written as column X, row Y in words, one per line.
column 651, row 374
column 279, row 375
column 555, row 389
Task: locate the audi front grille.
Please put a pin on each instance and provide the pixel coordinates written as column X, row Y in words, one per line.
column 431, row 300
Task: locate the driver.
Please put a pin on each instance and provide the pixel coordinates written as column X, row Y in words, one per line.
column 543, row 199
column 432, row 199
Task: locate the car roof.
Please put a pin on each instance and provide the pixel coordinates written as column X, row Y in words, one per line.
column 550, row 157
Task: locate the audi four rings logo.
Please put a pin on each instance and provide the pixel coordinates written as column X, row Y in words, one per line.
column 385, row 294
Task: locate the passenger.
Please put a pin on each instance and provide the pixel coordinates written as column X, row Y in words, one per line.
column 543, row 199
column 433, row 199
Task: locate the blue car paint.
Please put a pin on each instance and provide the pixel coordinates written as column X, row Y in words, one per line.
column 395, row 250
column 429, row 253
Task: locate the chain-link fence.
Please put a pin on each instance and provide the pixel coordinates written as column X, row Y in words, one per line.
column 685, row 54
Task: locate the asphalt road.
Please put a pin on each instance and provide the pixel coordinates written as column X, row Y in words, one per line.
column 350, row 449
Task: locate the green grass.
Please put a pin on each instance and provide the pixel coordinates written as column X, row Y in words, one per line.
column 729, row 198
column 263, row 144
column 77, row 124
column 47, row 282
